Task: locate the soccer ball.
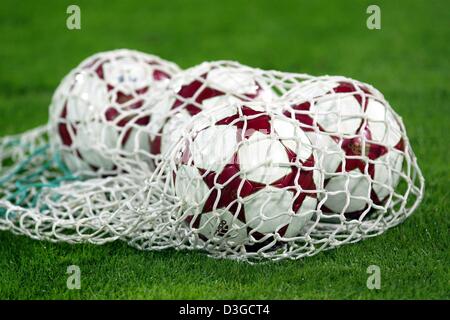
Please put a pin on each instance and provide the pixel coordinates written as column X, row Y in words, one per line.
column 102, row 110
column 246, row 176
column 359, row 140
column 208, row 85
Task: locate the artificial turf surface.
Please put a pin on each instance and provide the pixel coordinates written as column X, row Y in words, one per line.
column 407, row 60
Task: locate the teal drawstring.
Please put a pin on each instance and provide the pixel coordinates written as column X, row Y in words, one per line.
column 28, row 188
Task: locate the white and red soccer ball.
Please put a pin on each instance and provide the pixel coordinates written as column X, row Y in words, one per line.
column 358, row 138
column 101, row 110
column 246, row 176
column 203, row 87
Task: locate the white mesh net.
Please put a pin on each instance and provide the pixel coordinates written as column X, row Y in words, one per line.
column 239, row 162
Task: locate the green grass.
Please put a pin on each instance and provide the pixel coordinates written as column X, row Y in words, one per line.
column 408, row 60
